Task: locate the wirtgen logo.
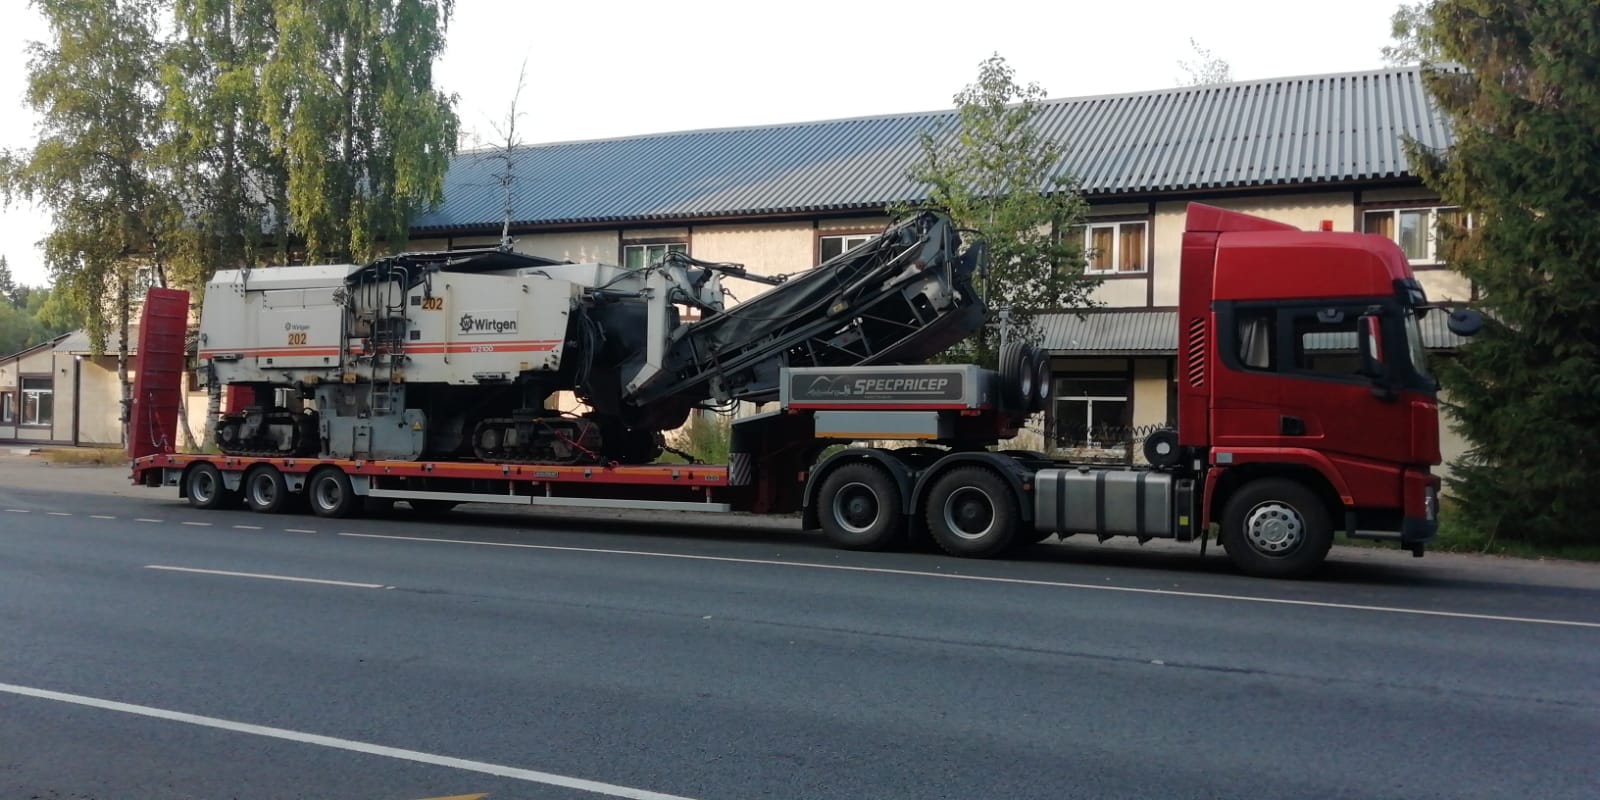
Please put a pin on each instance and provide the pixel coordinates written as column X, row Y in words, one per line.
column 473, row 323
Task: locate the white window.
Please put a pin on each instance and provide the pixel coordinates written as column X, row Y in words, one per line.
column 1115, row 247
column 639, row 256
column 1416, row 230
column 829, row 247
column 1091, row 412
column 38, row 401
column 8, row 407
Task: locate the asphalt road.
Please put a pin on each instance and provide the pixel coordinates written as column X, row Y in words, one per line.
column 525, row 655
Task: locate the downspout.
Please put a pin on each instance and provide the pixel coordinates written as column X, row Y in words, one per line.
column 77, row 397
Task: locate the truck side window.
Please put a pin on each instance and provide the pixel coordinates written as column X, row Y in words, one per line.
column 1325, row 341
column 1256, row 336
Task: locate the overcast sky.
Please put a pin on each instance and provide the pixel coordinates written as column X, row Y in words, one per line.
column 600, row 69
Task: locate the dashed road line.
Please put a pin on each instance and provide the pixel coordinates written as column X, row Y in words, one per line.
column 248, row 527
column 18, row 511
column 351, row 745
column 1421, row 612
column 57, row 514
column 264, row 576
column 299, row 530
column 198, row 524
column 145, row 519
column 101, row 516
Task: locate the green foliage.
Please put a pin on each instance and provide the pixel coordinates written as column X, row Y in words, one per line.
column 94, row 87
column 999, row 175
column 1412, row 29
column 707, row 439
column 43, row 315
column 351, row 111
column 8, row 285
column 1526, row 166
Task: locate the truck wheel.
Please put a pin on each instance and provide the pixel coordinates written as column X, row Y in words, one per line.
column 265, row 490
column 972, row 512
column 860, row 508
column 1017, row 369
column 203, row 488
column 1276, row 528
column 331, row 494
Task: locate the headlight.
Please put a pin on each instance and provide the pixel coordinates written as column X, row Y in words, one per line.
column 1430, row 503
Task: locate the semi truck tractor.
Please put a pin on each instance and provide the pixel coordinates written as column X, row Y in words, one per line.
column 1305, row 405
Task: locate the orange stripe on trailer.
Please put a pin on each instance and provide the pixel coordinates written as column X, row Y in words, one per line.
column 697, row 476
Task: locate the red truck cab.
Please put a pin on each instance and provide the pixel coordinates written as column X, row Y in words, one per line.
column 1301, row 359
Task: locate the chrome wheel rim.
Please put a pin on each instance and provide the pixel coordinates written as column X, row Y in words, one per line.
column 329, row 494
column 263, row 489
column 1274, row 528
column 203, row 486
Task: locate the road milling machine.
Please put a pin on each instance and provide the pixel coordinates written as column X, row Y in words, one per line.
column 452, row 355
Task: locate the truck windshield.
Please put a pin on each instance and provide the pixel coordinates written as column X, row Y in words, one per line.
column 1418, row 353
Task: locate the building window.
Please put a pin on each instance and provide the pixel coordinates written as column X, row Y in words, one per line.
column 1115, row 248
column 38, row 401
column 639, row 256
column 832, row 246
column 1416, row 230
column 8, row 407
column 1091, row 412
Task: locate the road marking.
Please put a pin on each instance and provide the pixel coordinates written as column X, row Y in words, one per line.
column 57, row 514
column 101, row 516
column 199, row 524
column 993, row 579
column 299, row 530
column 18, row 511
column 142, row 519
column 478, row 796
column 248, row 527
column 415, row 756
column 263, row 576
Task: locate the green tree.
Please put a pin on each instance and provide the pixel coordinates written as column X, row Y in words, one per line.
column 998, row 174
column 8, row 285
column 232, row 184
column 94, row 87
column 1525, row 164
column 349, row 100
column 1413, row 35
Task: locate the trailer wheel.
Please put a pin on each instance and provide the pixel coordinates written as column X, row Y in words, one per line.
column 1276, row 528
column 860, row 508
column 1017, row 370
column 331, row 495
column 973, row 513
column 203, row 487
column 265, row 490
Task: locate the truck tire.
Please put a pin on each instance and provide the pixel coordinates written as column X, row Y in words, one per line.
column 972, row 512
column 1042, row 374
column 203, row 488
column 330, row 494
column 265, row 490
column 1276, row 528
column 860, row 508
column 1017, row 369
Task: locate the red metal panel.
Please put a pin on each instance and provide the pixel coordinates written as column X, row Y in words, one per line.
column 152, row 425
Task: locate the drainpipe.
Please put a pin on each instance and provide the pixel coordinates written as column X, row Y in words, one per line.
column 77, row 397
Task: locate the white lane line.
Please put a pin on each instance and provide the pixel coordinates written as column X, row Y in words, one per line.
column 57, row 514
column 101, row 516
column 144, row 519
column 248, row 527
column 299, row 530
column 992, row 579
column 199, row 524
column 18, row 511
column 415, row 756
column 267, row 577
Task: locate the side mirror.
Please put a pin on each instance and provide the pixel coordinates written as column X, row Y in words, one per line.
column 1465, row 322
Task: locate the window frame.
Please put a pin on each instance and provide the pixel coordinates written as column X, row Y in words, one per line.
column 1058, row 398
column 8, row 407
column 1116, row 224
column 1432, row 259
column 646, row 244
column 839, row 233
column 22, row 400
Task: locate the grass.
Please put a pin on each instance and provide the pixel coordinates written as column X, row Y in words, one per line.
column 86, row 456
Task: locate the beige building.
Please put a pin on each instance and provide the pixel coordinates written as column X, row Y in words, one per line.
column 1309, row 151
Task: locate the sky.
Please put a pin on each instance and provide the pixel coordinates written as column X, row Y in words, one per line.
column 602, row 69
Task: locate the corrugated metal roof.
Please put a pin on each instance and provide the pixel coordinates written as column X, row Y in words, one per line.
column 1282, row 131
column 1155, row 332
